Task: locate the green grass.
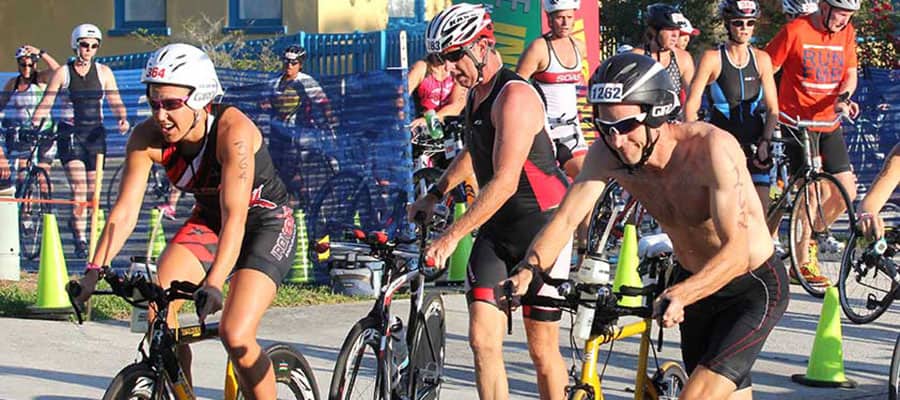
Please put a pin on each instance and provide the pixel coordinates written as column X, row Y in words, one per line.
column 16, row 297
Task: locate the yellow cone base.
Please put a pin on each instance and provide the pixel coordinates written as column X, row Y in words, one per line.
column 803, row 380
column 52, row 300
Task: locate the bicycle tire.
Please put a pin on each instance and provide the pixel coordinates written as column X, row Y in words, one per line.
column 353, row 363
column 31, row 215
column 667, row 383
column 855, row 295
column 429, row 342
column 293, row 371
column 136, row 382
column 894, row 377
column 828, row 266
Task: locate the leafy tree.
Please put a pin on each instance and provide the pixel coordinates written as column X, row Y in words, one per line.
column 226, row 49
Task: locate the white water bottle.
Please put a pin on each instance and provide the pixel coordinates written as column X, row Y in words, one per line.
column 593, row 270
column 584, row 317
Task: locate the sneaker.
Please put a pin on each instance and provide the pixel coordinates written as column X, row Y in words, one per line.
column 830, row 247
column 167, row 211
column 813, row 278
column 81, row 249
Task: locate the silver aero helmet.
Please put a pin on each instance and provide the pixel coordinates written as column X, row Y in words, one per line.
column 184, row 65
column 630, row 78
column 552, row 6
column 852, row 5
column 85, row 31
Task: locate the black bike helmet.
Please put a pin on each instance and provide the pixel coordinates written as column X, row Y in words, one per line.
column 660, row 16
column 630, row 78
column 294, row 52
column 734, row 9
column 635, row 79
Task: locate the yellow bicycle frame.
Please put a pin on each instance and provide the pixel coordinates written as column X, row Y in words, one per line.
column 182, row 387
column 589, row 374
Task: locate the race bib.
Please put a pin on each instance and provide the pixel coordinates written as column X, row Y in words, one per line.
column 606, row 93
column 746, row 5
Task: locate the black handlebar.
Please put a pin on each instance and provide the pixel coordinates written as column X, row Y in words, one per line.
column 125, row 288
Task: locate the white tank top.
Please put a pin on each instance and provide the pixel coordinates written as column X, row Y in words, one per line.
column 24, row 103
column 558, row 83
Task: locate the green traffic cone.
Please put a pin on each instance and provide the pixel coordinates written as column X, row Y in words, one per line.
column 299, row 272
column 157, row 235
column 52, row 275
column 826, row 363
column 459, row 260
column 626, row 268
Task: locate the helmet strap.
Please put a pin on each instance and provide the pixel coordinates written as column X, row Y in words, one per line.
column 479, row 65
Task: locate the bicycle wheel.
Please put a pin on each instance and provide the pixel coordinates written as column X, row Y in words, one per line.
column 137, row 382
column 31, row 215
column 601, row 235
column 865, row 287
column 293, row 375
column 358, row 372
column 112, row 191
column 825, row 243
column 667, row 383
column 894, row 378
column 338, row 202
column 427, row 355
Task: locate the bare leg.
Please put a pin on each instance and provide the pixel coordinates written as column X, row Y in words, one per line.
column 486, row 324
column 250, row 295
column 707, row 385
column 543, row 346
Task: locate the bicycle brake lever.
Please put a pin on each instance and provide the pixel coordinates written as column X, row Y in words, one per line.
column 508, row 292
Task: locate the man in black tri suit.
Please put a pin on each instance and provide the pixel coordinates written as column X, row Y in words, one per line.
column 511, row 154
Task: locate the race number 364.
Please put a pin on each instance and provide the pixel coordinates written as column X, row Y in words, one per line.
column 156, row 72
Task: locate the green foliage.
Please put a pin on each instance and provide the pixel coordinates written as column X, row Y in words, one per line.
column 224, row 48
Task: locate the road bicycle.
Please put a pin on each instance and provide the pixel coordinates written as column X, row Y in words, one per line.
column 382, row 357
column 807, row 230
column 667, row 380
column 869, row 277
column 158, row 374
column 32, row 184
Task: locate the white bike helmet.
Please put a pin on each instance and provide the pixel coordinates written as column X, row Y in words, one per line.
column 852, row 5
column 457, row 26
column 552, row 6
column 85, row 31
column 799, row 7
column 23, row 52
column 184, row 65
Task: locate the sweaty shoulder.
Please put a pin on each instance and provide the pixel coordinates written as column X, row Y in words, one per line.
column 234, row 125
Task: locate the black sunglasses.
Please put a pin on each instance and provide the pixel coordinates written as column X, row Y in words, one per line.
column 454, row 56
column 24, row 65
column 620, row 127
column 291, row 62
column 168, row 104
column 739, row 23
column 86, row 45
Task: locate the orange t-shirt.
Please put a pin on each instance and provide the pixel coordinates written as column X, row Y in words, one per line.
column 814, row 63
